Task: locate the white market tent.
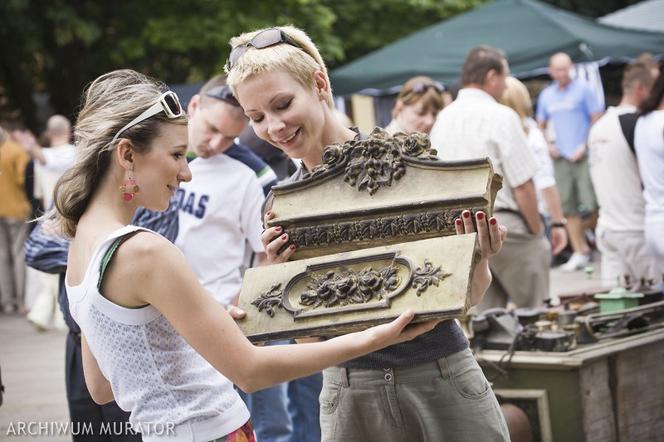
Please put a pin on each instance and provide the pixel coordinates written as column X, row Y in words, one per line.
column 647, row 15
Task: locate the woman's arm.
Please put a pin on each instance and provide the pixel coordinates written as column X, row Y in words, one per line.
column 154, row 271
column 490, row 237
column 98, row 385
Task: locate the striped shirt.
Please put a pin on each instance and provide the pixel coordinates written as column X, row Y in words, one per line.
column 48, row 253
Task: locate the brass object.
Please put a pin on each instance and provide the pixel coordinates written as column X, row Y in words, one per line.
column 374, row 231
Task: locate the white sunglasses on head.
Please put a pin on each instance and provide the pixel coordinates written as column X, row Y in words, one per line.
column 168, row 103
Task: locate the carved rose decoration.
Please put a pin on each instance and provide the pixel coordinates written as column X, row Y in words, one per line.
column 374, row 162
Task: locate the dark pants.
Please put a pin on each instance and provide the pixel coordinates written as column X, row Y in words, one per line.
column 84, row 410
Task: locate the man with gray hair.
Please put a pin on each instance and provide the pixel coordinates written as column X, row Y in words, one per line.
column 477, row 125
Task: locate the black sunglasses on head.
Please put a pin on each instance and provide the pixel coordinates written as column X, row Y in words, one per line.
column 262, row 40
column 223, row 93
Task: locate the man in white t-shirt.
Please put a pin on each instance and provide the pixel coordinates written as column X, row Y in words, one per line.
column 220, row 207
column 220, row 220
column 476, row 125
column 615, row 175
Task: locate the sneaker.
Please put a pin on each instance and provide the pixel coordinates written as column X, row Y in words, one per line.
column 576, row 262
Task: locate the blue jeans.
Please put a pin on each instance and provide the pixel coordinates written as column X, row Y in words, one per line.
column 269, row 411
column 304, row 408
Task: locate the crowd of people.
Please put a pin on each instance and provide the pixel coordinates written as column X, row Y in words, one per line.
column 154, row 212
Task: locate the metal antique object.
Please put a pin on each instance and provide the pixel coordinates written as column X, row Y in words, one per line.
column 374, row 230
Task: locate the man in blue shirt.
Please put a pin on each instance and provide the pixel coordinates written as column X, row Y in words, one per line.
column 569, row 108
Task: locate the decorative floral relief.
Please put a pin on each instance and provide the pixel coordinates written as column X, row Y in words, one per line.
column 349, row 287
column 426, row 276
column 269, row 300
column 376, row 161
column 379, row 228
column 336, row 289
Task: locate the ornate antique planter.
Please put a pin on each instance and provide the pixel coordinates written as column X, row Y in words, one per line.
column 374, row 229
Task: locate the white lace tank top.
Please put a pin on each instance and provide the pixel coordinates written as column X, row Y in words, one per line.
column 171, row 391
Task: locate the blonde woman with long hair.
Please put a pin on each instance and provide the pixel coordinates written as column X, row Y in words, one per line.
column 152, row 338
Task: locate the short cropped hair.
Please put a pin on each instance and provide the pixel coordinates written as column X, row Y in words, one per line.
column 640, row 70
column 479, row 61
column 301, row 62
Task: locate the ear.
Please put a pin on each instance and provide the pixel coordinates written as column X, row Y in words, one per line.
column 398, row 107
column 193, row 105
column 322, row 84
column 124, row 154
column 490, row 77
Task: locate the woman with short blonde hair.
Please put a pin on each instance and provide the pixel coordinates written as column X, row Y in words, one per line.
column 430, row 389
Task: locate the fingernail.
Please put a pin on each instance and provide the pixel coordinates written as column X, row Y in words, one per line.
column 493, row 221
column 268, row 213
column 284, row 237
column 480, row 216
column 457, row 222
column 292, row 247
column 466, row 214
column 278, row 228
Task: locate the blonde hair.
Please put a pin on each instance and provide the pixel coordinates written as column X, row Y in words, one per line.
column 516, row 96
column 109, row 102
column 301, row 62
column 431, row 99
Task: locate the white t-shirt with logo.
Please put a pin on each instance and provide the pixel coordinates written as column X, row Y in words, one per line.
column 615, row 174
column 219, row 217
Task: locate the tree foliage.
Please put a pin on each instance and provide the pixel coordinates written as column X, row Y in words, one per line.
column 58, row 46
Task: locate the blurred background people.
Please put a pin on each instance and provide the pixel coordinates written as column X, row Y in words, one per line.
column 477, row 125
column 51, row 163
column 649, row 144
column 571, row 107
column 615, row 176
column 14, row 211
column 516, row 97
column 416, row 106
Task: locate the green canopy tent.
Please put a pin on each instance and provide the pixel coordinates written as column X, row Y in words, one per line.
column 528, row 31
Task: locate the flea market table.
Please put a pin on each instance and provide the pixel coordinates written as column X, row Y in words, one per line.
column 612, row 390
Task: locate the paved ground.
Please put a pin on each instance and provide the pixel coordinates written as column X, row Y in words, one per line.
column 33, row 368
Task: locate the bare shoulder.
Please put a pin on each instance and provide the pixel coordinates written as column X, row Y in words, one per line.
column 147, row 249
column 139, row 264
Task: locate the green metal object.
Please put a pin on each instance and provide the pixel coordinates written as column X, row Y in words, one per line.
column 618, row 299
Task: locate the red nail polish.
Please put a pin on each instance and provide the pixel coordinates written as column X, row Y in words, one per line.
column 480, row 216
column 493, row 221
column 457, row 221
column 284, row 236
column 466, row 214
column 278, row 228
column 292, row 247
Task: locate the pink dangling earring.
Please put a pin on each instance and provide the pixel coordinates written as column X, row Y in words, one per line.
column 128, row 189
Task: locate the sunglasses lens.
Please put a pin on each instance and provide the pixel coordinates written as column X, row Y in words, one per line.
column 269, row 37
column 173, row 104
